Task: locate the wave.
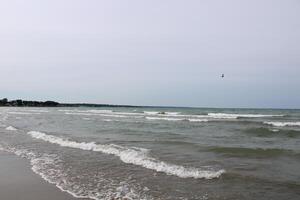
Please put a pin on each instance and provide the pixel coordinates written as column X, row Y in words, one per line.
column 51, row 168
column 176, row 119
column 236, row 116
column 11, row 128
column 86, row 118
column 129, row 113
column 99, row 111
column 95, row 114
column 164, row 118
column 84, row 111
column 251, row 152
column 36, row 110
column 161, row 113
column 281, row 124
column 24, row 113
column 266, row 132
column 133, row 155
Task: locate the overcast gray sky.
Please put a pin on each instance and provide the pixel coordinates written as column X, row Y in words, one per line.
column 155, row 52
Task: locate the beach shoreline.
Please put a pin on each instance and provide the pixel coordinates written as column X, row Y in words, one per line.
column 19, row 182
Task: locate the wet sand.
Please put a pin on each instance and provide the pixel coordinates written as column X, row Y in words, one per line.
column 18, row 182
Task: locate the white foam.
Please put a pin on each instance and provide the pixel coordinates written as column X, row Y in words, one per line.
column 99, row 111
column 36, row 110
column 129, row 113
column 235, row 116
column 86, row 118
column 281, row 124
column 151, row 112
column 67, row 110
column 82, row 114
column 11, row 128
column 111, row 120
column 198, row 120
column 100, row 114
column 95, row 111
column 164, row 118
column 136, row 156
column 51, row 169
column 274, row 130
column 161, row 113
column 176, row 119
column 24, row 113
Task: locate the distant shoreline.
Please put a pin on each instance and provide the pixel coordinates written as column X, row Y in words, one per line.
column 23, row 103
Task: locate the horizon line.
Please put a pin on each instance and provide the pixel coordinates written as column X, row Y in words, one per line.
column 157, row 106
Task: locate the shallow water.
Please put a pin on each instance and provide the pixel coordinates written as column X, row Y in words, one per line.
column 159, row 153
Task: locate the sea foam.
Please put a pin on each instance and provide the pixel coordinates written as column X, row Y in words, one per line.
column 281, row 124
column 24, row 113
column 235, row 116
column 51, row 169
column 133, row 155
column 161, row 113
column 176, row 119
column 11, row 128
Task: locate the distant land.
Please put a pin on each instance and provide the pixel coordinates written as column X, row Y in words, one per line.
column 24, row 103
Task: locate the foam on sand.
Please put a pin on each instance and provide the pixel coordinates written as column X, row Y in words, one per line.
column 51, row 168
column 281, row 124
column 11, row 128
column 133, row 155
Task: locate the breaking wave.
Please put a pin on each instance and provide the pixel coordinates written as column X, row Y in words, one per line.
column 268, row 132
column 133, row 155
column 161, row 113
column 251, row 152
column 236, row 116
column 37, row 110
column 281, row 124
column 176, row 119
column 95, row 114
column 51, row 168
column 169, row 116
column 11, row 128
column 24, row 113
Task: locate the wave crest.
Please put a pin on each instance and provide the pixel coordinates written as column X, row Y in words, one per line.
column 236, row 116
column 50, row 167
column 136, row 156
column 176, row 119
column 281, row 124
column 11, row 128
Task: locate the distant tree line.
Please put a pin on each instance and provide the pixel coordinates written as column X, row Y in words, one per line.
column 21, row 103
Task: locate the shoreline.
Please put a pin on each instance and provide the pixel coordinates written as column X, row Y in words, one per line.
column 19, row 182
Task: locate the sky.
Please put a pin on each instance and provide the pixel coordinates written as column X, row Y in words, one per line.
column 158, row 52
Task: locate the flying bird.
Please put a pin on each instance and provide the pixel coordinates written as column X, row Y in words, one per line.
column 222, row 76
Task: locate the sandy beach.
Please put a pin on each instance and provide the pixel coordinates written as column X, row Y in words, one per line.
column 18, row 182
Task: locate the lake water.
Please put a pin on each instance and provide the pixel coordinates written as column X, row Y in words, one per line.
column 159, row 153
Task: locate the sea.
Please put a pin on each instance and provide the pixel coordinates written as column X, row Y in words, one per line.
column 159, row 152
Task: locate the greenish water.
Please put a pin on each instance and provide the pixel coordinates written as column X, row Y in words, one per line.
column 159, row 153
